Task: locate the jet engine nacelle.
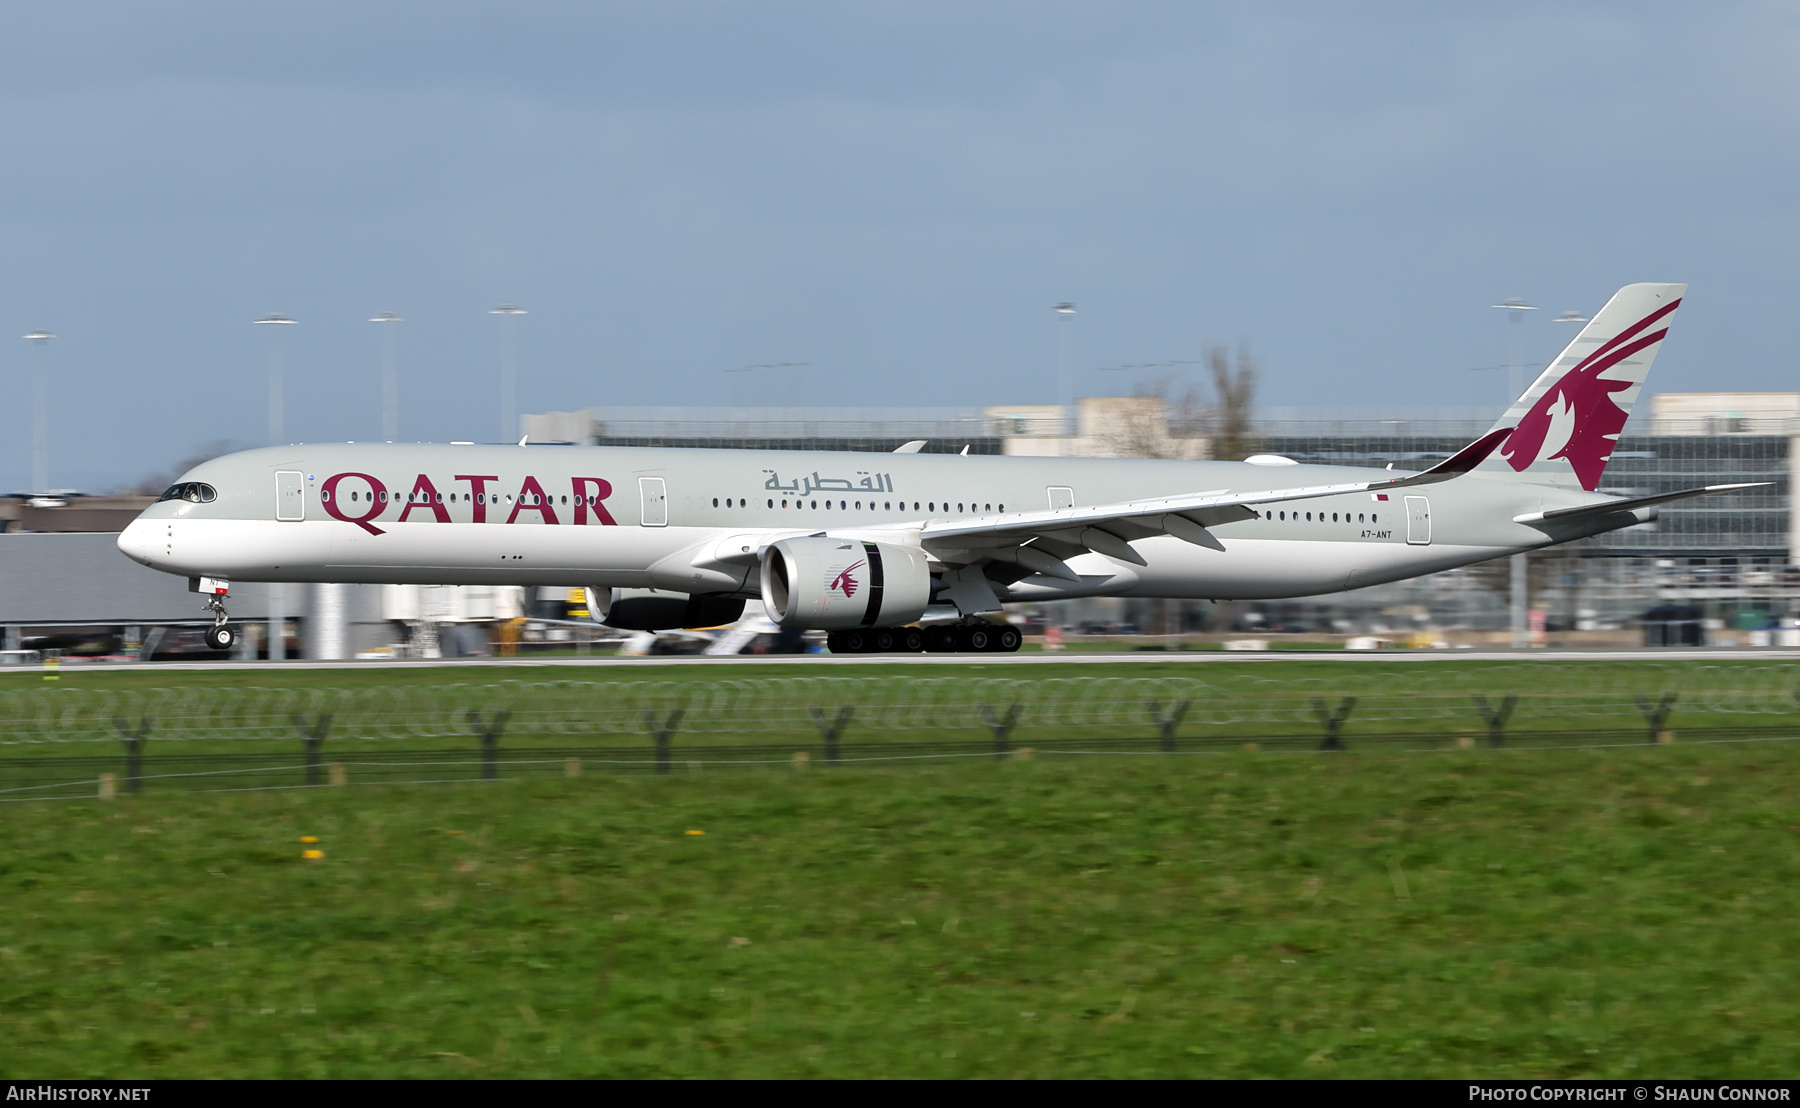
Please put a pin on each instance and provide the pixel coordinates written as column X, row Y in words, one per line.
column 660, row 610
column 827, row 584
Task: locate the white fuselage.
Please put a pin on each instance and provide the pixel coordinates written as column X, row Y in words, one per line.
column 693, row 520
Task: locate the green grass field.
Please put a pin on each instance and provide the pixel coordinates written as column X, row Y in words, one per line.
column 1470, row 913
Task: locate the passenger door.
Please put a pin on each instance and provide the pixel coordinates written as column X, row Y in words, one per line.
column 290, row 495
column 656, row 501
column 1418, row 521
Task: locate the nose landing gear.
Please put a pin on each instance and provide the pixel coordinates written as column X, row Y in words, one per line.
column 219, row 636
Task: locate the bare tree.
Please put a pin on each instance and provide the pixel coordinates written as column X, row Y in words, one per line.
column 155, row 483
column 1234, row 389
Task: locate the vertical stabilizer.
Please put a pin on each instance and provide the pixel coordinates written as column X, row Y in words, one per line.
column 1568, row 421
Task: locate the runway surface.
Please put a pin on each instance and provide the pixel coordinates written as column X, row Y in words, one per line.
column 830, row 661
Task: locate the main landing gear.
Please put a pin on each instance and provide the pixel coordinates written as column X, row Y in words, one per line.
column 970, row 638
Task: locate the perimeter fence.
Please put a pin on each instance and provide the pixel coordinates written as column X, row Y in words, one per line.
column 190, row 735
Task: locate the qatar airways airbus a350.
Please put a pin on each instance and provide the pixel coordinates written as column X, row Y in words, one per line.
column 869, row 546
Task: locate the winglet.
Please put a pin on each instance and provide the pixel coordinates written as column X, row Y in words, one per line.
column 1456, row 464
column 912, row 447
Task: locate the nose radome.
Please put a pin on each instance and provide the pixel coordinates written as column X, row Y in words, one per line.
column 137, row 541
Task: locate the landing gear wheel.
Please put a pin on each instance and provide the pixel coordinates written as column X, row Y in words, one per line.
column 220, row 638
column 940, row 640
column 883, row 639
column 911, row 640
column 976, row 637
column 847, row 642
column 1007, row 639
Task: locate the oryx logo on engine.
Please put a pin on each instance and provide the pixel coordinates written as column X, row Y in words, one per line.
column 844, row 582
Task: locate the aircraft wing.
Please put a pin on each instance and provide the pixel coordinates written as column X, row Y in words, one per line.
column 1627, row 504
column 1108, row 528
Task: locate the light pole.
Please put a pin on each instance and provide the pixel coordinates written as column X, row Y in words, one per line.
column 277, row 592
column 277, row 321
column 1065, row 357
column 40, row 415
column 390, row 376
column 1574, row 604
column 509, row 403
column 1515, row 309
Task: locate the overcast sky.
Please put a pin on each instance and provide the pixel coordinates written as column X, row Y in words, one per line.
column 893, row 193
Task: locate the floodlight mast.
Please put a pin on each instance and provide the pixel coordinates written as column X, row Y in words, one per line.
column 1515, row 309
column 277, row 321
column 509, row 374
column 1065, row 357
column 390, row 376
column 40, row 414
column 277, row 632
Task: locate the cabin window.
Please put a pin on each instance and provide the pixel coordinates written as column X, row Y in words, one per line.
column 325, row 495
column 715, row 502
column 772, row 504
column 1359, row 517
column 1003, row 507
column 1334, row 517
column 841, row 505
column 988, row 508
column 439, row 497
column 784, row 503
column 1373, row 517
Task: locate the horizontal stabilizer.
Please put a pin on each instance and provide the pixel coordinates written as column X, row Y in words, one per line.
column 1603, row 507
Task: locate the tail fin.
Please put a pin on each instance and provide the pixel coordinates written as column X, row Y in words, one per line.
column 1568, row 421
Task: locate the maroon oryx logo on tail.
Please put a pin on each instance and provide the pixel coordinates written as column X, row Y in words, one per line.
column 1577, row 417
column 843, row 582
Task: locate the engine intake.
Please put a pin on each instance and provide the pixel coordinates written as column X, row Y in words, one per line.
column 659, row 610
column 827, row 584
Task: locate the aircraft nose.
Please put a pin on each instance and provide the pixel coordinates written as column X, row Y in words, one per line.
column 138, row 541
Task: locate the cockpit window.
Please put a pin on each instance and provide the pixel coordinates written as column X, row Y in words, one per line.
column 193, row 491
